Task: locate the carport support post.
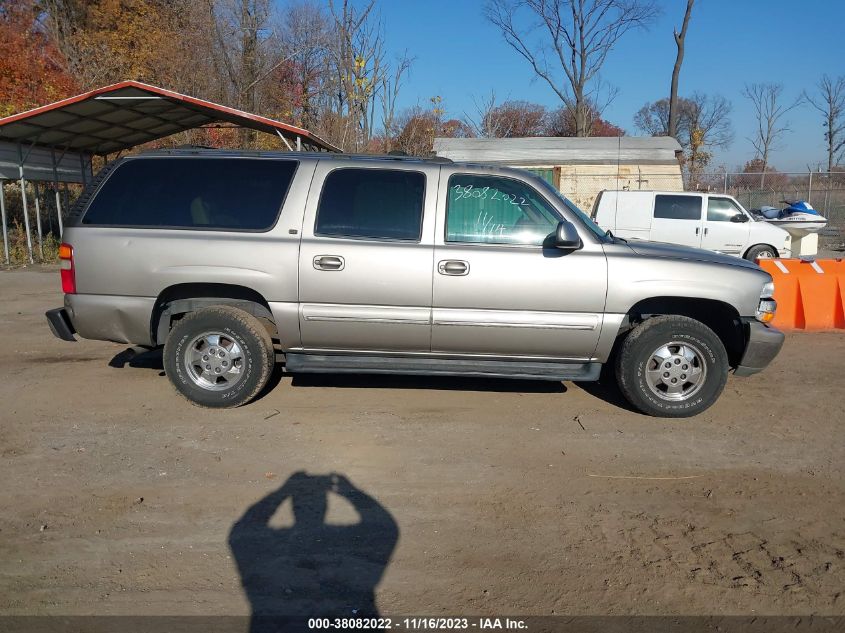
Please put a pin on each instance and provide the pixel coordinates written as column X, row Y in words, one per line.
column 25, row 208
column 58, row 195
column 3, row 214
column 38, row 219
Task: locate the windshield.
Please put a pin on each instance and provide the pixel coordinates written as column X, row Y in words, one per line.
column 580, row 215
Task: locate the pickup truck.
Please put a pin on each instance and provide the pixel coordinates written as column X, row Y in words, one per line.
column 235, row 260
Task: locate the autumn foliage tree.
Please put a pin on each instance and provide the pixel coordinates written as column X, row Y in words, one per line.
column 561, row 122
column 751, row 172
column 32, row 71
column 418, row 127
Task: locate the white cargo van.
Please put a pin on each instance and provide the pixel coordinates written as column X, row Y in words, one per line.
column 714, row 222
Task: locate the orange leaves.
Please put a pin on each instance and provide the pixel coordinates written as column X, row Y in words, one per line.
column 31, row 69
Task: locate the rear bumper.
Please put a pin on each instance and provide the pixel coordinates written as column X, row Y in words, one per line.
column 60, row 324
column 764, row 343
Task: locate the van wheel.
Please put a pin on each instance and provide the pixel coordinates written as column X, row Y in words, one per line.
column 761, row 251
column 672, row 366
column 219, row 357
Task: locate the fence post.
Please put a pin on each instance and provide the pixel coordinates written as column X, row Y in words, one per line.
column 810, row 188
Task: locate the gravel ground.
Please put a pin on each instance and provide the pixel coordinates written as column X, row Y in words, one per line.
column 422, row 496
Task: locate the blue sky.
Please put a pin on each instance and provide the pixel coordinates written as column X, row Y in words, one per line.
column 460, row 56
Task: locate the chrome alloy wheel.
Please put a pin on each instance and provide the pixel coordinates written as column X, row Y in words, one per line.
column 214, row 361
column 676, row 371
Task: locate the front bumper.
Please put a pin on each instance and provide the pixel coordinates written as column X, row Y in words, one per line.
column 763, row 344
column 60, row 324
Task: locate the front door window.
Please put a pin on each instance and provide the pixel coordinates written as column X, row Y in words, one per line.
column 495, row 210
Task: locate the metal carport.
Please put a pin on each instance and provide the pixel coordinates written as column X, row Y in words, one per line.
column 56, row 142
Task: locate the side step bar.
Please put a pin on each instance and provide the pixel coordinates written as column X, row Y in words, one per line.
column 359, row 364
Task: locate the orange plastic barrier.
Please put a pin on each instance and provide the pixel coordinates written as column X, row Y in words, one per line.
column 810, row 294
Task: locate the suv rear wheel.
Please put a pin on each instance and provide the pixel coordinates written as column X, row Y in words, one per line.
column 672, row 366
column 219, row 357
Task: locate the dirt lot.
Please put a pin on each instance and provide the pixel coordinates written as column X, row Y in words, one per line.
column 474, row 496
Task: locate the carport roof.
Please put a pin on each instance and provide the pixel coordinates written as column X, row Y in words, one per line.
column 123, row 115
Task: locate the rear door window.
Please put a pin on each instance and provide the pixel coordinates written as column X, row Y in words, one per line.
column 677, row 207
column 381, row 204
column 233, row 194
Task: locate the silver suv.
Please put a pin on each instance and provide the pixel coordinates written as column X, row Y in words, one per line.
column 336, row 263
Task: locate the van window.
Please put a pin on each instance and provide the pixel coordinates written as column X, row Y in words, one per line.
column 677, row 207
column 234, row 194
column 382, row 204
column 494, row 210
column 721, row 210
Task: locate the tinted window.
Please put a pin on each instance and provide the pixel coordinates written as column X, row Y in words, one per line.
column 494, row 210
column 677, row 207
column 375, row 203
column 721, row 210
column 204, row 193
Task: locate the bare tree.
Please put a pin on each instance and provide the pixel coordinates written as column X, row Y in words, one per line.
column 653, row 119
column 360, row 67
column 830, row 101
column 680, row 40
column 770, row 111
column 577, row 34
column 302, row 39
column 390, row 85
column 709, row 128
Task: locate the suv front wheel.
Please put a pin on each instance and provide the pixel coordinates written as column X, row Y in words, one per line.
column 219, row 357
column 672, row 366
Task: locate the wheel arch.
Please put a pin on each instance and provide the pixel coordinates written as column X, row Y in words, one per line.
column 175, row 301
column 720, row 316
column 753, row 246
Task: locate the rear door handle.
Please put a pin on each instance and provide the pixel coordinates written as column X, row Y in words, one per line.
column 454, row 267
column 329, row 262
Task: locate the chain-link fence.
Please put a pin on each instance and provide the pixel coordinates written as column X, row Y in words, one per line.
column 824, row 190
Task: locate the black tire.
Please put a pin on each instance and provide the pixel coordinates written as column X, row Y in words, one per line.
column 240, row 331
column 635, row 359
column 755, row 252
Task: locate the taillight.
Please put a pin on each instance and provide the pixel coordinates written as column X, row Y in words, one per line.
column 66, row 265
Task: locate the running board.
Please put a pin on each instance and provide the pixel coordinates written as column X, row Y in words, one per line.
column 359, row 364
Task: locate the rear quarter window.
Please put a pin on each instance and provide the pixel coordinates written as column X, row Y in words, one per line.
column 233, row 194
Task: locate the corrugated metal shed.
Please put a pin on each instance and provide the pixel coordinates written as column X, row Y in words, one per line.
column 624, row 150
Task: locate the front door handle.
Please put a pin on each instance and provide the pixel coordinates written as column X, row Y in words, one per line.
column 454, row 267
column 329, row 262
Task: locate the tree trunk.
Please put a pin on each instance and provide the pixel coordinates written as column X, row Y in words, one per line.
column 765, row 164
column 249, row 65
column 676, row 71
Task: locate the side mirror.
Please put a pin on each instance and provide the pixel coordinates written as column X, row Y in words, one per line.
column 566, row 236
column 739, row 217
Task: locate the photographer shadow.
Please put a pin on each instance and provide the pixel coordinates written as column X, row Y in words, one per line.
column 312, row 569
